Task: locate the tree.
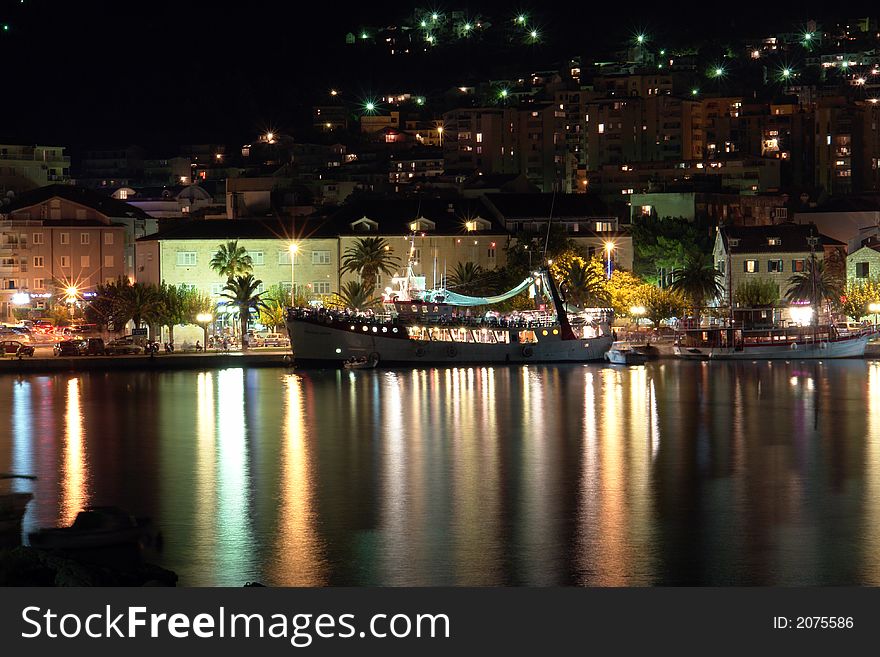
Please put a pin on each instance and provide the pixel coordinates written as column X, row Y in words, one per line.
column 756, row 293
column 369, row 257
column 467, row 278
column 231, row 260
column 815, row 285
column 138, row 302
column 663, row 245
column 858, row 295
column 272, row 311
column 661, row 304
column 356, row 295
column 174, row 302
column 697, row 280
column 582, row 286
column 623, row 289
column 242, row 293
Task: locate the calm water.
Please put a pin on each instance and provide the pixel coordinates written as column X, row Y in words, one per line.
column 674, row 473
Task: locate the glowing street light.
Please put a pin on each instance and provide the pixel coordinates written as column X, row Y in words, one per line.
column 435, row 16
column 718, row 72
column 204, row 319
column 609, row 247
column 504, row 93
column 638, row 312
column 334, row 92
column 641, row 38
column 468, row 27
column 294, row 248
column 440, row 134
column 695, row 91
column 521, row 19
column 533, row 35
column 874, row 308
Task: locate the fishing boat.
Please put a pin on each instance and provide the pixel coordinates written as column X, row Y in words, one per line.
column 773, row 342
column 416, row 326
column 623, row 353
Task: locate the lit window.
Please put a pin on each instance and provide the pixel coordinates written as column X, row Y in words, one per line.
column 601, row 128
column 750, row 266
column 186, row 258
column 479, row 137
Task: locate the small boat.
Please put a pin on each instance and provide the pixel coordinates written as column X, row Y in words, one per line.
column 95, row 527
column 622, row 353
column 362, row 362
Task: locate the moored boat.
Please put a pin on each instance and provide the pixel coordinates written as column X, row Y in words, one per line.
column 420, row 327
column 622, row 353
column 774, row 343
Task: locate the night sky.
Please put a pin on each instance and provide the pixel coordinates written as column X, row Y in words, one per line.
column 161, row 73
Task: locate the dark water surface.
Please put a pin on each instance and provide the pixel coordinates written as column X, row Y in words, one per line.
column 673, row 473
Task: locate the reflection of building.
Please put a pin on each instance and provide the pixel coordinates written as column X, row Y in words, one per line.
column 59, row 237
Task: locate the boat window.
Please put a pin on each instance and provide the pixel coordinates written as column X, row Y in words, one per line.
column 502, row 337
column 527, row 336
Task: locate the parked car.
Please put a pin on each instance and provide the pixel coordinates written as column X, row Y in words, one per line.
column 96, row 347
column 16, row 348
column 125, row 345
column 271, row 340
column 72, row 348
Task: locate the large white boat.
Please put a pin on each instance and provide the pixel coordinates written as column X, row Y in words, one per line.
column 417, row 326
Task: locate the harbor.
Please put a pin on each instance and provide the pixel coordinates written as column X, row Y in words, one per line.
column 669, row 473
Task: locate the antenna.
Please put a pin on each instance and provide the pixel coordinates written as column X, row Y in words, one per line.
column 549, row 221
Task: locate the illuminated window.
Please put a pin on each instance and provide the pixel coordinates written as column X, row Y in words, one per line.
column 321, row 287
column 38, row 262
column 109, row 261
column 774, row 241
column 798, row 265
column 750, row 266
column 479, row 137
column 601, row 128
column 186, row 258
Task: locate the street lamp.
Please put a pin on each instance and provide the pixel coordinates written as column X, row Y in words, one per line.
column 204, row 319
column 637, row 312
column 440, row 134
column 609, row 247
column 293, row 250
column 874, row 308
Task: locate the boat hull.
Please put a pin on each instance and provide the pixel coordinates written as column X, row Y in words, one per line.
column 333, row 344
column 841, row 348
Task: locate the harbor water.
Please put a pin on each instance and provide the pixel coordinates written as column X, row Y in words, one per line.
column 671, row 473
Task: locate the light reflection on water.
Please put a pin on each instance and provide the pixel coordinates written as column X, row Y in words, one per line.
column 671, row 473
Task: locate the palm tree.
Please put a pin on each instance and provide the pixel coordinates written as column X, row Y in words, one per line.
column 369, row 257
column 697, row 280
column 140, row 303
column 582, row 286
column 231, row 260
column 356, row 295
column 272, row 311
column 467, row 278
column 815, row 284
column 242, row 292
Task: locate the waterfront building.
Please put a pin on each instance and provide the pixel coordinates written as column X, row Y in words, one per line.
column 59, row 242
column 773, row 253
